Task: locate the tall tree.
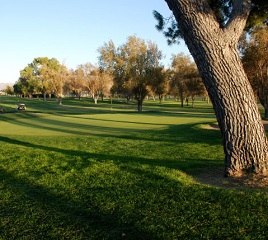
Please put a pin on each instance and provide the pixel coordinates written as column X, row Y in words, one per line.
column 18, row 88
column 45, row 69
column 29, row 81
column 97, row 82
column 211, row 29
column 255, row 61
column 195, row 87
column 183, row 69
column 159, row 83
column 9, row 90
column 59, row 77
column 76, row 82
column 132, row 64
column 106, row 83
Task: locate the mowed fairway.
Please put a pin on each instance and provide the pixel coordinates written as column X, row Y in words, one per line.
column 106, row 171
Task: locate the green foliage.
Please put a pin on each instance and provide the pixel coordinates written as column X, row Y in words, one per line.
column 131, row 65
column 9, row 90
column 42, row 75
column 259, row 15
column 185, row 78
column 82, row 172
column 222, row 10
column 169, row 27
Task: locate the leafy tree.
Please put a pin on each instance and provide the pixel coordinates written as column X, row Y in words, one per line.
column 112, row 60
column 111, row 65
column 159, row 83
column 142, row 58
column 195, row 87
column 183, row 69
column 132, row 65
column 255, row 61
column 29, row 82
column 59, row 78
column 18, row 88
column 107, row 57
column 106, row 82
column 97, row 82
column 76, row 81
column 42, row 75
column 9, row 90
column 45, row 70
column 211, row 29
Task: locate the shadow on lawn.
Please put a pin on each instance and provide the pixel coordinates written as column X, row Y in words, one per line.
column 181, row 134
column 130, row 129
column 49, row 213
column 186, row 165
column 52, row 212
column 58, row 214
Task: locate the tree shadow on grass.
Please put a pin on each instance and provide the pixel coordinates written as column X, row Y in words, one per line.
column 160, row 206
column 50, row 215
column 114, row 128
column 209, row 172
column 175, row 134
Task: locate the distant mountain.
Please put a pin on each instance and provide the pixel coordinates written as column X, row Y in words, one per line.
column 4, row 85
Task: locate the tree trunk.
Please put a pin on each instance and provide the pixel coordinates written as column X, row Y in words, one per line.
column 128, row 98
column 215, row 52
column 139, row 106
column 60, row 101
column 187, row 101
column 96, row 100
column 182, row 98
column 44, row 96
column 160, row 98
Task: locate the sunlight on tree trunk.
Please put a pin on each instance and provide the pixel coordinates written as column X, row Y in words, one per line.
column 216, row 54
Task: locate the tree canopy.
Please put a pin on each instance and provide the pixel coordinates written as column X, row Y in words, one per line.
column 133, row 65
column 222, row 10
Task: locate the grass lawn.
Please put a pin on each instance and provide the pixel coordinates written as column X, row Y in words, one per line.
column 106, row 171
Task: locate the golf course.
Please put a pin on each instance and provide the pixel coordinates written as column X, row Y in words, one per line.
column 106, row 171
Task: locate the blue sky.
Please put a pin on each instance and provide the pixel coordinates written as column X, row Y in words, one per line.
column 72, row 30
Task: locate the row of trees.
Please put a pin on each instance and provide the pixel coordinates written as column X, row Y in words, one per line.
column 48, row 76
column 137, row 72
column 132, row 71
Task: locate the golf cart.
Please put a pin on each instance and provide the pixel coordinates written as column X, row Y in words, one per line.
column 21, row 106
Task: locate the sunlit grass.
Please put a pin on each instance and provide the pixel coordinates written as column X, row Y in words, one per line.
column 116, row 173
column 51, row 119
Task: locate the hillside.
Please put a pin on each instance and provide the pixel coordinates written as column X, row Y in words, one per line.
column 4, row 85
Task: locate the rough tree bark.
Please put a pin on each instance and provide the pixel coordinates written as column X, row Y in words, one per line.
column 215, row 52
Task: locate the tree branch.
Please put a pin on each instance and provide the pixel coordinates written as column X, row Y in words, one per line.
column 238, row 18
